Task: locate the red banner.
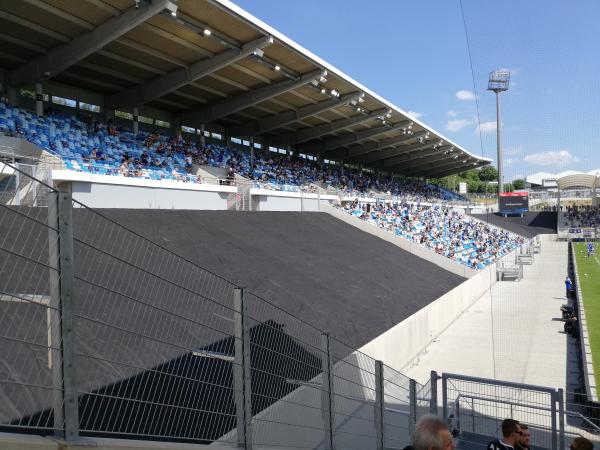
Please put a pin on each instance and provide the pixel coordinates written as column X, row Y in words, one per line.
column 514, row 194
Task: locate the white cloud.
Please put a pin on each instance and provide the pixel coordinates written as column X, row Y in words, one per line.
column 508, row 162
column 512, row 71
column 415, row 114
column 457, row 124
column 486, row 127
column 465, row 95
column 452, row 113
column 560, row 158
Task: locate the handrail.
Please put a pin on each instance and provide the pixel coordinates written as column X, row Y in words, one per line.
column 581, row 416
column 506, row 402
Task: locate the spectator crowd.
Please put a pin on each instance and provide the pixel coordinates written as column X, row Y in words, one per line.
column 447, row 232
column 581, row 216
column 89, row 145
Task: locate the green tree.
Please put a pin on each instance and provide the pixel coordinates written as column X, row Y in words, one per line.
column 518, row 184
column 488, row 173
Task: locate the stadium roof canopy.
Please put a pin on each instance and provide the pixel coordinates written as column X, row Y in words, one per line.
column 577, row 180
column 567, row 179
column 208, row 62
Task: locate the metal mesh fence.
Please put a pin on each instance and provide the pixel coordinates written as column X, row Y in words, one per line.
column 397, row 413
column 582, row 417
column 30, row 318
column 107, row 333
column 155, row 337
column 478, row 407
column 353, row 382
column 287, row 358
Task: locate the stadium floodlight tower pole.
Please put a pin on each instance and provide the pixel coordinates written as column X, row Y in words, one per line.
column 499, row 81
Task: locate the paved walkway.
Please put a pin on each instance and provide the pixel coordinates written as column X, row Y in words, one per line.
column 512, row 333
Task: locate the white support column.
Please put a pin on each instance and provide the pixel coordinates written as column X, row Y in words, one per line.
column 202, row 137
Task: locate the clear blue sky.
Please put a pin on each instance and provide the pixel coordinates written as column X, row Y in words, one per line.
column 414, row 53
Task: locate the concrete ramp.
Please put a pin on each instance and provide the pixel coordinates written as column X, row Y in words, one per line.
column 326, row 272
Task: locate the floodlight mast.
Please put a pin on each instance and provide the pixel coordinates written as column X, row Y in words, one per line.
column 499, row 81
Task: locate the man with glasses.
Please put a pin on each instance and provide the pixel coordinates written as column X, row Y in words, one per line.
column 511, row 435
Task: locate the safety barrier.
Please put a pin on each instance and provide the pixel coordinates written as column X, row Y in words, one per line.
column 107, row 334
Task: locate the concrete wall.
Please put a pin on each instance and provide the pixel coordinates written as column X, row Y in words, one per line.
column 20, row 147
column 416, row 332
column 266, row 200
column 107, row 191
column 404, row 244
column 400, row 345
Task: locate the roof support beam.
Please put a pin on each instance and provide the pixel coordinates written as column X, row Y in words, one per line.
column 306, row 134
column 256, row 127
column 162, row 85
column 420, row 155
column 395, row 152
column 430, row 163
column 355, row 151
column 351, row 138
column 64, row 56
column 450, row 168
column 389, row 162
column 230, row 105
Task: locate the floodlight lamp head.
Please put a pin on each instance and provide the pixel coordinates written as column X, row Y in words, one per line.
column 172, row 8
column 259, row 53
column 499, row 80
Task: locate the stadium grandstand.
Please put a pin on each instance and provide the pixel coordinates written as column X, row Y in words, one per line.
column 211, row 237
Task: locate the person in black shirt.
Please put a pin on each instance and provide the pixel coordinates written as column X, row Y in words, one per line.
column 511, row 433
column 230, row 175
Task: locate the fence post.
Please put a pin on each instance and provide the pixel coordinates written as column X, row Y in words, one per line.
column 54, row 333
column 553, row 401
column 561, row 419
column 18, row 184
column 327, row 395
column 60, row 217
column 379, row 405
column 445, row 396
column 412, row 395
column 433, row 402
column 241, row 371
column 319, row 200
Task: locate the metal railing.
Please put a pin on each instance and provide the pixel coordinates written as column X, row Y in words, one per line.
column 104, row 332
column 478, row 406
